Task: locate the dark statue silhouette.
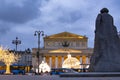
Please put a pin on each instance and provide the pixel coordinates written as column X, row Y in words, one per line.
column 106, row 55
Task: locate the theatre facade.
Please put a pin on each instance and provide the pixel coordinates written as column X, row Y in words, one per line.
column 58, row 46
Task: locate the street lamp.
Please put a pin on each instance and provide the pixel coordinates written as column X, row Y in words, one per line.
column 16, row 42
column 39, row 33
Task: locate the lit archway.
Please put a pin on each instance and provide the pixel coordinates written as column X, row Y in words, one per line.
column 71, row 62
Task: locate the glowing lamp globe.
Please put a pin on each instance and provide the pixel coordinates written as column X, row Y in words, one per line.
column 71, row 62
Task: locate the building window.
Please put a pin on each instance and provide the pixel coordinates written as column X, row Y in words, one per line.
column 71, row 44
column 77, row 44
column 74, row 44
column 83, row 44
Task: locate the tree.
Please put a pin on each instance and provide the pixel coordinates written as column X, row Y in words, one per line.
column 8, row 58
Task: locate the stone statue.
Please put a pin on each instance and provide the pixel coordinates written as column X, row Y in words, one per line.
column 106, row 55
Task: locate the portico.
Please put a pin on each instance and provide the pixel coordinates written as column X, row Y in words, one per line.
column 54, row 53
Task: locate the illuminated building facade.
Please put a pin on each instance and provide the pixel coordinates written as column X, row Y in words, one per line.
column 54, row 53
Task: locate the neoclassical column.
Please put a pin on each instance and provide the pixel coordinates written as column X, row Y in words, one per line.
column 87, row 60
column 50, row 61
column 80, row 59
column 62, row 60
column 81, row 64
column 56, row 62
column 44, row 59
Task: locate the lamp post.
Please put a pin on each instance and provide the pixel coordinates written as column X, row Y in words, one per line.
column 16, row 42
column 38, row 33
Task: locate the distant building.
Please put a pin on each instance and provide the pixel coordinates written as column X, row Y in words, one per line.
column 57, row 46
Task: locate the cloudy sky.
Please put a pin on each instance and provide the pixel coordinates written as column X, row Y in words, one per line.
column 22, row 18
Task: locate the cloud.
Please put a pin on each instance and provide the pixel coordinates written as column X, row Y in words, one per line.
column 77, row 16
column 23, row 17
column 15, row 12
column 4, row 28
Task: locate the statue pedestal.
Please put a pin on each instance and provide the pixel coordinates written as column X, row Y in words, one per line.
column 91, row 74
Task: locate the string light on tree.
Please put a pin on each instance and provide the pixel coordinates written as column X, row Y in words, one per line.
column 8, row 58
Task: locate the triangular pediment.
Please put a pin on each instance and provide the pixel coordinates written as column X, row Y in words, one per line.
column 66, row 35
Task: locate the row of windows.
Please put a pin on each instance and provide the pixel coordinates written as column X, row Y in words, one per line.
column 25, row 59
column 74, row 44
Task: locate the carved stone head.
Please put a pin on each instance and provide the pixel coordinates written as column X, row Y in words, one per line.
column 104, row 10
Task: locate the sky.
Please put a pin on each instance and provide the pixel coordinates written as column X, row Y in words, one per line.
column 21, row 18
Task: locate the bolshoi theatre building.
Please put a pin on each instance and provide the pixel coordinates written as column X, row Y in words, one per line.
column 62, row 49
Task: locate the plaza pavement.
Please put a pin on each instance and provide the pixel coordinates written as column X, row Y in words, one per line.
column 53, row 77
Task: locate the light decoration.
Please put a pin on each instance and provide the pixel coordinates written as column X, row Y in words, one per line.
column 43, row 67
column 87, row 66
column 8, row 58
column 71, row 62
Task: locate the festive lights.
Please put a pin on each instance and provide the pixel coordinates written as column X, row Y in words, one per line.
column 43, row 67
column 71, row 62
column 8, row 58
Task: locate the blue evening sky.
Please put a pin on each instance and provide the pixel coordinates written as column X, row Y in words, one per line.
column 22, row 18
